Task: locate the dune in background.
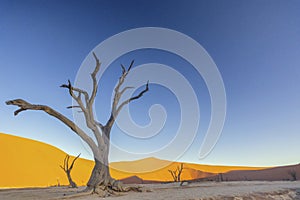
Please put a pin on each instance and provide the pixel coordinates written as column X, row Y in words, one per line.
column 191, row 171
column 29, row 163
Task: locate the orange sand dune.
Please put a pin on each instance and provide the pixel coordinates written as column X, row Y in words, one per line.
column 29, row 163
column 191, row 171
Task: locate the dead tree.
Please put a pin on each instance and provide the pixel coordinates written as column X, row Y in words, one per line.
column 220, row 178
column 179, row 169
column 67, row 169
column 293, row 174
column 176, row 174
column 100, row 180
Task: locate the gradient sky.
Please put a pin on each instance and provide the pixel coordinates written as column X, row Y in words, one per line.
column 255, row 44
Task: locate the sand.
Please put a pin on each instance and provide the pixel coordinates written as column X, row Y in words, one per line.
column 194, row 191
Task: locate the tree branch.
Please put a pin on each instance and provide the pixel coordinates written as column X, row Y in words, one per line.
column 67, row 162
column 69, row 107
column 131, row 99
column 123, row 69
column 95, row 84
column 23, row 105
column 62, row 167
column 131, row 64
column 74, row 89
column 78, row 97
column 71, row 167
column 89, row 103
column 124, row 90
column 173, row 173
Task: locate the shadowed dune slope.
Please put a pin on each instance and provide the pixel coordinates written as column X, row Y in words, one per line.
column 270, row 174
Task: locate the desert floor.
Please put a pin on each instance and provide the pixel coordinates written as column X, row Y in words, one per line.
column 194, row 191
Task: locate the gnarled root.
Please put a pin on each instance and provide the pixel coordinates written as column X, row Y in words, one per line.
column 114, row 187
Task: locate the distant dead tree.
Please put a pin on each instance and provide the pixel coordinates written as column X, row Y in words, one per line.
column 176, row 174
column 220, row 177
column 293, row 174
column 67, row 169
column 100, row 181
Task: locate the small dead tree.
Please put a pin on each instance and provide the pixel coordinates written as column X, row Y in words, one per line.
column 293, row 174
column 67, row 169
column 176, row 174
column 220, row 177
column 100, row 181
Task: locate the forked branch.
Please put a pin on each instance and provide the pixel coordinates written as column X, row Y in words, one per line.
column 74, row 89
column 65, row 166
column 116, row 107
column 133, row 98
column 77, row 97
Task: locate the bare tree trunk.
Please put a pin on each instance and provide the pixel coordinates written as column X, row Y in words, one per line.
column 72, row 183
column 100, row 175
column 103, row 184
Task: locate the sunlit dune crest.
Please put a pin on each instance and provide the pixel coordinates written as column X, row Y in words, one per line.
column 29, row 163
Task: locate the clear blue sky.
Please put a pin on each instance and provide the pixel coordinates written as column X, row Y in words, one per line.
column 255, row 44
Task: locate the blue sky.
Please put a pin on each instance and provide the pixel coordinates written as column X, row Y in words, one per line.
column 255, row 44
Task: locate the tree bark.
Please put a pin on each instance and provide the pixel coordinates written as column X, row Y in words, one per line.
column 72, row 183
column 100, row 175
